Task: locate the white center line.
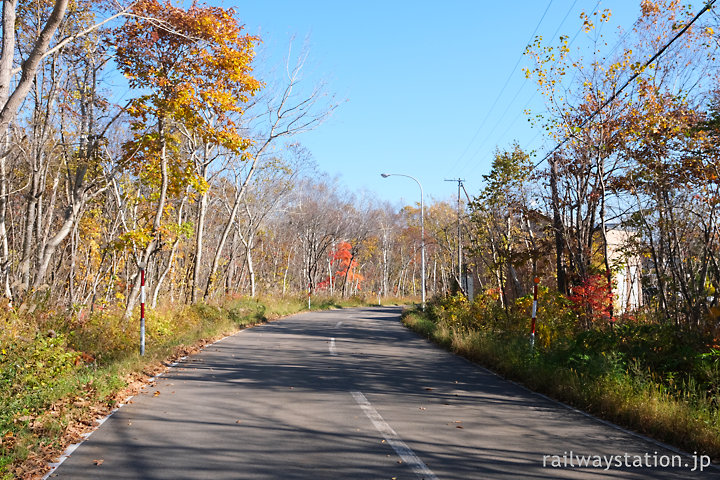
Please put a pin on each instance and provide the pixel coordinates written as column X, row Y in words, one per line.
column 393, row 439
column 331, row 347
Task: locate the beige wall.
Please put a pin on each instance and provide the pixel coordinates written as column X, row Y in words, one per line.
column 626, row 272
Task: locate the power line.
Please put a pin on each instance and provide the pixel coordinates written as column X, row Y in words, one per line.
column 564, row 18
column 612, row 97
column 502, row 90
column 517, row 93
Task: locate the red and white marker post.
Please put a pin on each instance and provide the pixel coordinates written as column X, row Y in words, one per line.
column 142, row 311
column 536, row 281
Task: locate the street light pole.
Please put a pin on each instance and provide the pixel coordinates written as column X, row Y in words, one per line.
column 422, row 230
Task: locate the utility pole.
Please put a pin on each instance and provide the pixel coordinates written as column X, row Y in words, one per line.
column 461, row 283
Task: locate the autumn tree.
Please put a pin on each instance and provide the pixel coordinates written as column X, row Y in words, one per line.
column 269, row 191
column 626, row 135
column 318, row 221
column 497, row 218
column 36, row 38
column 195, row 65
column 586, row 117
column 672, row 172
column 344, row 266
column 441, row 247
column 284, row 110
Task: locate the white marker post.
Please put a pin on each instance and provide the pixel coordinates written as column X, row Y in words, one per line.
column 536, row 280
column 142, row 311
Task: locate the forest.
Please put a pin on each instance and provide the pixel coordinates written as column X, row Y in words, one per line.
column 618, row 225
column 197, row 180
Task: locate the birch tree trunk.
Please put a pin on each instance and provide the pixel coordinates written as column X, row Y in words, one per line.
column 228, row 225
column 12, row 102
column 200, row 226
column 171, row 257
column 157, row 221
column 557, row 228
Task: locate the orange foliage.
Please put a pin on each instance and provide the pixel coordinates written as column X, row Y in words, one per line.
column 345, row 264
column 196, row 64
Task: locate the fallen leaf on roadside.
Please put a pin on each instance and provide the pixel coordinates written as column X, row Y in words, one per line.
column 239, row 421
column 429, row 389
column 157, row 392
column 423, row 408
column 98, row 462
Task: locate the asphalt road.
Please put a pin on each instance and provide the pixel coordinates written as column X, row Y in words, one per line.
column 351, row 394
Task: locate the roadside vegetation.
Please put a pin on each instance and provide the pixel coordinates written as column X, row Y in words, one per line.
column 618, row 224
column 651, row 377
column 196, row 185
column 58, row 376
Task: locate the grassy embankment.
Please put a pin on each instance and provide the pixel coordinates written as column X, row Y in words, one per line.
column 59, row 373
column 656, row 379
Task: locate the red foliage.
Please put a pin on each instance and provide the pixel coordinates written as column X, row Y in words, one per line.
column 343, row 260
column 592, row 299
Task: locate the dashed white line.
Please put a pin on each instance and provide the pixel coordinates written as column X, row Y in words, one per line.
column 393, row 439
column 331, row 347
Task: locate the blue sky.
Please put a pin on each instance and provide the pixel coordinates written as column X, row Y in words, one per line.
column 427, row 87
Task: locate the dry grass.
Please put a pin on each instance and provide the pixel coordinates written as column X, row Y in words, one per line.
column 46, row 408
column 621, row 396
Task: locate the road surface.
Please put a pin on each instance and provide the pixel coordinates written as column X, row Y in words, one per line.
column 351, row 394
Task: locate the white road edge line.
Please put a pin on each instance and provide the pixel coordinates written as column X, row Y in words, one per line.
column 607, row 423
column 331, row 347
column 393, row 439
column 99, row 421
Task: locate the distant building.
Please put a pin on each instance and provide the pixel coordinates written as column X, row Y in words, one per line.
column 627, row 271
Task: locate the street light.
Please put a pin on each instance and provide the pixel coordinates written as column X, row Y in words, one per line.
column 422, row 230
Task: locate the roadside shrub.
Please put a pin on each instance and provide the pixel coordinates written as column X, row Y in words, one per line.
column 652, row 377
column 39, row 363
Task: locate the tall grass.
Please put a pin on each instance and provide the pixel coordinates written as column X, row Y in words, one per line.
column 649, row 378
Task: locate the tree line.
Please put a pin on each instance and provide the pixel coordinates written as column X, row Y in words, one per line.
column 636, row 152
column 198, row 180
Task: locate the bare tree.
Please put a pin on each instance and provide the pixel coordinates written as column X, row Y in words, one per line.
column 283, row 113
